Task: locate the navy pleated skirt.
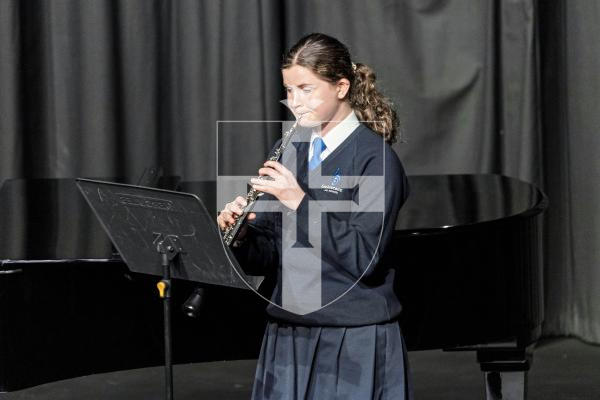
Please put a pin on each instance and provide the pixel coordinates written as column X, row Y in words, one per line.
column 305, row 363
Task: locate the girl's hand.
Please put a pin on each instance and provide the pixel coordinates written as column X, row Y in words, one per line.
column 283, row 184
column 231, row 212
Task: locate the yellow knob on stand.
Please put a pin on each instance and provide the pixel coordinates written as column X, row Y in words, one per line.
column 162, row 286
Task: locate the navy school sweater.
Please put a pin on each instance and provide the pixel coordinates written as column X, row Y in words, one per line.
column 356, row 278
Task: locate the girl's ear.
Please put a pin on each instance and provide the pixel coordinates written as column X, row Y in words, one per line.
column 342, row 87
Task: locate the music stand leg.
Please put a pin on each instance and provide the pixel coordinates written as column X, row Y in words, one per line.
column 169, row 248
column 164, row 287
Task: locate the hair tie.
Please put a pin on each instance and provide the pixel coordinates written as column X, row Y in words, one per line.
column 353, row 67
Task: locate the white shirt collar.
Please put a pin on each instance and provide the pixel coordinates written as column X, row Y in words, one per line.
column 337, row 135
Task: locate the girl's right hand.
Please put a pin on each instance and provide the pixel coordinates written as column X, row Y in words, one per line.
column 231, row 212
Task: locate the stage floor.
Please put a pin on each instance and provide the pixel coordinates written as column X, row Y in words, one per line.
column 563, row 369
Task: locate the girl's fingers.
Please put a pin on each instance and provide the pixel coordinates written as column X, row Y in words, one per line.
column 235, row 208
column 276, row 166
column 240, row 201
column 263, row 183
column 227, row 216
column 268, row 171
column 263, row 188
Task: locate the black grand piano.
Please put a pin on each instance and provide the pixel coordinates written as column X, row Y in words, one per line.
column 470, row 280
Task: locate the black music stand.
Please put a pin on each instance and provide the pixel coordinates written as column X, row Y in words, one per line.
column 165, row 233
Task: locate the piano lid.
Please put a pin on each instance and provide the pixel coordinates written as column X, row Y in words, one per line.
column 48, row 219
column 440, row 202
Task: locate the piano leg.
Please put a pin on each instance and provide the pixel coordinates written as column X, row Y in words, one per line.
column 505, row 385
column 505, row 372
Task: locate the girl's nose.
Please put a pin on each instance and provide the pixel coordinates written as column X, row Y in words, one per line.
column 295, row 97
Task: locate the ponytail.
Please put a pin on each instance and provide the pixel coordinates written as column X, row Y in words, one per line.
column 375, row 110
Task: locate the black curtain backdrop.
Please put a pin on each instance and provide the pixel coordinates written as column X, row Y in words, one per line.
column 106, row 88
column 571, row 143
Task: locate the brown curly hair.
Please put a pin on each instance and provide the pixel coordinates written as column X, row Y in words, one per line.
column 330, row 59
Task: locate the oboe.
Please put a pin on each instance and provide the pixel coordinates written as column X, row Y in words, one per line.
column 232, row 231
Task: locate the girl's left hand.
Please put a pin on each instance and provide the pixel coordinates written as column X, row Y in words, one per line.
column 283, row 184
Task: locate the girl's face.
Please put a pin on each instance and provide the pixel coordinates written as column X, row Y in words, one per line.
column 314, row 100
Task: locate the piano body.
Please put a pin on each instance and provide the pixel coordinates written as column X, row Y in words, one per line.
column 470, row 278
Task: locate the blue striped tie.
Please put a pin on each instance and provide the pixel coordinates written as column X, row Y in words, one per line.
column 318, row 148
